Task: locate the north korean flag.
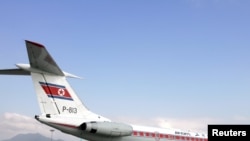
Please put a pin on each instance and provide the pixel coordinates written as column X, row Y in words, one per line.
column 55, row 91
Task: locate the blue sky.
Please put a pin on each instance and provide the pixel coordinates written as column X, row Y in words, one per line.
column 140, row 59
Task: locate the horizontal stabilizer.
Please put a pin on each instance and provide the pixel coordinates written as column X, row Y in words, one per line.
column 14, row 72
column 40, row 59
column 25, row 69
column 71, row 75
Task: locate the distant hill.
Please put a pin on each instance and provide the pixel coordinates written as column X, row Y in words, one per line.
column 30, row 137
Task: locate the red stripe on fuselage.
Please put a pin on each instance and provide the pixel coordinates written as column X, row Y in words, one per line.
column 65, row 125
column 167, row 136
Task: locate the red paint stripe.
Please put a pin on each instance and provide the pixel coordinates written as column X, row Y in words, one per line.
column 134, row 133
column 66, row 125
column 167, row 136
column 46, row 89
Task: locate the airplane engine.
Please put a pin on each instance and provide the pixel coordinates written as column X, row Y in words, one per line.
column 107, row 128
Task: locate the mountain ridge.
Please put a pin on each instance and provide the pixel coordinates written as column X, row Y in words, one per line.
column 30, row 137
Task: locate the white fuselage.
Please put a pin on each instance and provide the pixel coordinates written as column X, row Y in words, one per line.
column 140, row 133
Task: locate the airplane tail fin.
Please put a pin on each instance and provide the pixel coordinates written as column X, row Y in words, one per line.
column 55, row 95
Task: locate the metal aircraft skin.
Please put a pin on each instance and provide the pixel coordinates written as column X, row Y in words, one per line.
column 62, row 109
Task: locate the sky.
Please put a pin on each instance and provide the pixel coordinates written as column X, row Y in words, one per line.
column 180, row 64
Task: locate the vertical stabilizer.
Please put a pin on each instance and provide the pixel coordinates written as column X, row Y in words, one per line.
column 55, row 95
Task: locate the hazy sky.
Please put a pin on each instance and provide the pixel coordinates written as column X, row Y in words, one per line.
column 181, row 64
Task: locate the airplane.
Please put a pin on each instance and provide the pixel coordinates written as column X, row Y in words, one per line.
column 62, row 109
